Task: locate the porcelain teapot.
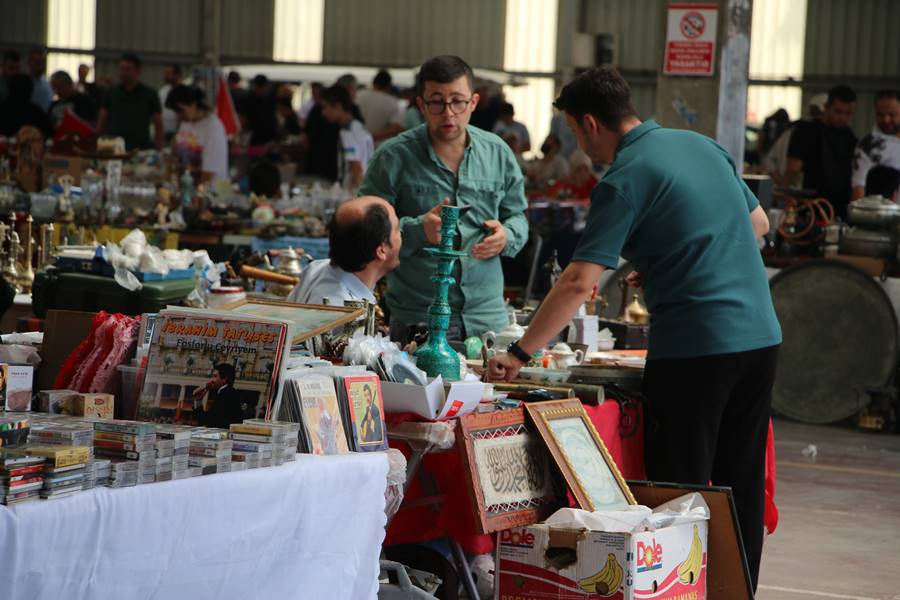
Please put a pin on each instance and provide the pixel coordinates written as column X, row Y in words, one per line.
column 509, row 334
column 563, row 356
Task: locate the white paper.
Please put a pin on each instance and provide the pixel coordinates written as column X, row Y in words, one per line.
column 462, row 399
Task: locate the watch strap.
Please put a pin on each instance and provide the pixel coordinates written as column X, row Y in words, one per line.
column 517, row 351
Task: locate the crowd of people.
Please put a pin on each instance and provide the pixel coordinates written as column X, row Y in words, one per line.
column 820, row 153
column 338, row 127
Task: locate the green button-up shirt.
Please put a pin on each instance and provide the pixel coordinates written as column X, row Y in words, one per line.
column 406, row 172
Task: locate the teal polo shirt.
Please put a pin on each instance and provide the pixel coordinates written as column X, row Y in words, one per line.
column 131, row 114
column 406, row 172
column 673, row 205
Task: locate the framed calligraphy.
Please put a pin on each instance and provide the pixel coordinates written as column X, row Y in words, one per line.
column 509, row 479
column 580, row 454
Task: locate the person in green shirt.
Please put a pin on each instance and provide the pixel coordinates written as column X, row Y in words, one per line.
column 673, row 204
column 446, row 161
column 129, row 109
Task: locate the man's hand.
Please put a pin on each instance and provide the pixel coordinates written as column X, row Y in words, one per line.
column 432, row 223
column 504, row 367
column 493, row 243
column 635, row 279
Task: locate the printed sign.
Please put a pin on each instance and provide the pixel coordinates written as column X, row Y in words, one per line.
column 691, row 39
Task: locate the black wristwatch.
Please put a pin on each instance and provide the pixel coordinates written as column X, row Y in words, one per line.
column 516, row 350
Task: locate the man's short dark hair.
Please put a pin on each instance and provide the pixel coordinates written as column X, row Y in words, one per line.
column 62, row 76
column 600, row 92
column 186, row 94
column 352, row 242
column 234, row 77
column 443, row 69
column 842, row 93
column 176, row 68
column 346, row 80
column 132, row 58
column 507, row 110
column 338, row 96
column 383, row 79
column 265, row 179
column 884, row 94
column 882, row 181
column 260, row 81
column 226, row 372
column 12, row 55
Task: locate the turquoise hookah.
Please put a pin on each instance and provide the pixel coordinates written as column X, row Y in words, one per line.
column 437, row 356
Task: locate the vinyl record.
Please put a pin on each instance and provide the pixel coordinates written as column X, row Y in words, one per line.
column 840, row 340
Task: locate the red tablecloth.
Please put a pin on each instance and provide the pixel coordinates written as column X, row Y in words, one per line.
column 444, row 475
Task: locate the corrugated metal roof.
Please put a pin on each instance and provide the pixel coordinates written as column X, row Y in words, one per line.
column 22, row 22
column 162, row 26
column 852, row 37
column 638, row 25
column 247, row 29
column 406, row 32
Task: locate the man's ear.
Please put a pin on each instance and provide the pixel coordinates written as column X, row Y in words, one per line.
column 381, row 252
column 420, row 102
column 475, row 99
column 590, row 124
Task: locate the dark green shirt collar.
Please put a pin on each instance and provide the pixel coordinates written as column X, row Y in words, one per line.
column 638, row 132
column 425, row 139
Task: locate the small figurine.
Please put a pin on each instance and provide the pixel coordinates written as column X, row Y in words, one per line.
column 263, row 213
column 163, row 200
column 65, row 213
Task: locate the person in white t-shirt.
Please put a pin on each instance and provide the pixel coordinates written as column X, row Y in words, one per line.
column 200, row 143
column 356, row 146
column 880, row 147
column 381, row 110
column 172, row 77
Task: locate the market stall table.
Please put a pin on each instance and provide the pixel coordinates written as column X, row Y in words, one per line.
column 307, row 529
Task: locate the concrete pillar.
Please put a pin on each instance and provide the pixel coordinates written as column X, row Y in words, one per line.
column 712, row 105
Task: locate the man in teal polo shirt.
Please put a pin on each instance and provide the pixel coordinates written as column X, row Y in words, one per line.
column 131, row 107
column 673, row 204
column 446, row 161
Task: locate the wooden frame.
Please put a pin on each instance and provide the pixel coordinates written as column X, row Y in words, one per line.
column 544, row 415
column 494, row 504
column 342, row 315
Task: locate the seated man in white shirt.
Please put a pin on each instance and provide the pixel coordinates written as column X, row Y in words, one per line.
column 364, row 239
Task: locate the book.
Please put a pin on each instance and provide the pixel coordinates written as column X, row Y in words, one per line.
column 182, row 383
column 15, row 385
column 362, row 404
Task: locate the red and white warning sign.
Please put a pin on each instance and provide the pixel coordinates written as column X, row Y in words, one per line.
column 691, row 39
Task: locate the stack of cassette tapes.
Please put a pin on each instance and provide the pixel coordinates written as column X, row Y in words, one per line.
column 96, row 473
column 21, row 478
column 58, row 432
column 173, row 443
column 210, row 450
column 278, row 437
column 131, row 446
column 64, row 468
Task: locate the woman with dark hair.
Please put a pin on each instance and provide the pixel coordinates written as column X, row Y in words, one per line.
column 200, row 143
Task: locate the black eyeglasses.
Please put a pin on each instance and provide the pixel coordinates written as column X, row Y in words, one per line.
column 457, row 105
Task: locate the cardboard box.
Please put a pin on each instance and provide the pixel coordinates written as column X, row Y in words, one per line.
column 55, row 401
column 56, row 165
column 17, row 386
column 92, row 405
column 540, row 563
column 437, row 401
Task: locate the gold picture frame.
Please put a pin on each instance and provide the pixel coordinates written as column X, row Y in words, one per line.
column 309, row 320
column 581, row 455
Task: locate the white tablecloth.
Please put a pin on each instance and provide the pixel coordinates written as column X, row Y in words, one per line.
column 310, row 529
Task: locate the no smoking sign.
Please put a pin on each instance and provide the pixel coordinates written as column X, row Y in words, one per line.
column 691, row 39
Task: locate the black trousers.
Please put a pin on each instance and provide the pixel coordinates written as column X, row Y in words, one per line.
column 706, row 419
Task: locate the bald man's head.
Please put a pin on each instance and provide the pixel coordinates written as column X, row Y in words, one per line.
column 364, row 230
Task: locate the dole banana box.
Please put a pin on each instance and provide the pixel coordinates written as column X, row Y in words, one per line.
column 540, row 563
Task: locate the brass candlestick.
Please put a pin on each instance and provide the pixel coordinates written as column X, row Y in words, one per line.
column 10, row 268
column 26, row 270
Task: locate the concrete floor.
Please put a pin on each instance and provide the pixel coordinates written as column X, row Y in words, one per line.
column 839, row 529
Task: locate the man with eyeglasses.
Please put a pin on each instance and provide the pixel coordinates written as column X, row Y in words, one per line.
column 445, row 161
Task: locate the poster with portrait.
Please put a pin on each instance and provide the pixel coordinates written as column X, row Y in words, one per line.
column 320, row 415
column 366, row 410
column 212, row 368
